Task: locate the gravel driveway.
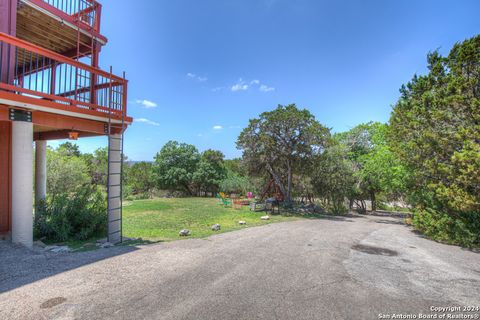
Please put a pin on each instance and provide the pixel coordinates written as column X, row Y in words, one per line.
column 337, row 268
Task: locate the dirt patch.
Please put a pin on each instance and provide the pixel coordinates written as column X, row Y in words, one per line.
column 374, row 250
column 50, row 303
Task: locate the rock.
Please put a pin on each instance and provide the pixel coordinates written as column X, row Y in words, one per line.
column 265, row 218
column 241, row 222
column 216, row 227
column 184, row 233
column 61, row 249
column 102, row 240
column 39, row 243
column 106, row 245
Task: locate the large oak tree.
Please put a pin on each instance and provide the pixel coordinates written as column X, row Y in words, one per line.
column 281, row 142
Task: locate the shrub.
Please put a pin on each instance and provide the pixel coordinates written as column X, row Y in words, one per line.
column 463, row 229
column 65, row 173
column 77, row 215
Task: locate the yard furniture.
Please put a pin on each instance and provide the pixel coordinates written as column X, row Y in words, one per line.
column 219, row 198
column 237, row 203
column 271, row 204
column 226, row 202
column 257, row 206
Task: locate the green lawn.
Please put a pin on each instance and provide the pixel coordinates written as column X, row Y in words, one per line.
column 162, row 219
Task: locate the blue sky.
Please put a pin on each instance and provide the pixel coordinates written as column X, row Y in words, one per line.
column 198, row 70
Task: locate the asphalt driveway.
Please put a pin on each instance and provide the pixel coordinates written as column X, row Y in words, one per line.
column 338, row 268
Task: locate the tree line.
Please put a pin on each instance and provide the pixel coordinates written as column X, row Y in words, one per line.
column 426, row 157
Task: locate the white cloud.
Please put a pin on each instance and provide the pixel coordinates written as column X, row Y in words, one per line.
column 146, row 103
column 143, row 120
column 240, row 86
column 243, row 86
column 196, row 77
column 265, row 88
column 217, row 127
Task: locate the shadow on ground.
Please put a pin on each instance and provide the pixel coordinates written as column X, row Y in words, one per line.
column 17, row 262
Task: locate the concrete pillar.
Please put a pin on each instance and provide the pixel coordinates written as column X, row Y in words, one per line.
column 114, row 188
column 40, row 171
column 22, row 183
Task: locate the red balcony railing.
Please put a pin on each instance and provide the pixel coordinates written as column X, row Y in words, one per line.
column 37, row 73
column 80, row 12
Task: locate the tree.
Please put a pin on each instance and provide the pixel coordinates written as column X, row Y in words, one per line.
column 140, row 177
column 236, row 166
column 69, row 149
column 175, row 165
column 436, row 127
column 210, row 171
column 97, row 165
column 281, row 142
column 333, row 179
column 65, row 173
column 436, row 133
column 375, row 166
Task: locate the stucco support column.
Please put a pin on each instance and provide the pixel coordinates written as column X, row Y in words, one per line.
column 115, row 188
column 22, row 183
column 40, row 171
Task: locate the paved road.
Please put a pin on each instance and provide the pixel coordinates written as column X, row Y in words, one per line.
column 350, row 268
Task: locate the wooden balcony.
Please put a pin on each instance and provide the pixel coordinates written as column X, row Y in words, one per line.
column 68, row 27
column 39, row 79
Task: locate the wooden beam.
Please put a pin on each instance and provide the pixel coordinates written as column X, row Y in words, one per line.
column 62, row 122
column 25, row 101
column 4, row 113
column 60, row 135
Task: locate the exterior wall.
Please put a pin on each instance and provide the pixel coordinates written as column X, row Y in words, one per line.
column 8, row 25
column 5, row 176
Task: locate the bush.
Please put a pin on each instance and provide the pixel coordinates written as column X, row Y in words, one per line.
column 463, row 229
column 78, row 215
column 65, row 173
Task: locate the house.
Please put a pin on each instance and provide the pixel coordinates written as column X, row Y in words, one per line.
column 51, row 87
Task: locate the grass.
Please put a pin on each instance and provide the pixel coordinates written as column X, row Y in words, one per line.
column 161, row 219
